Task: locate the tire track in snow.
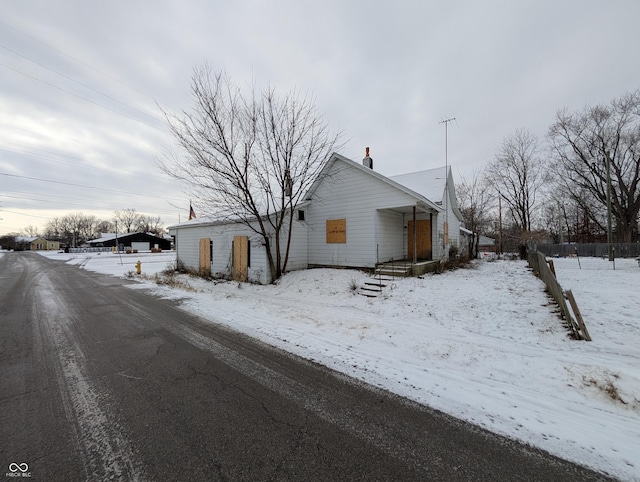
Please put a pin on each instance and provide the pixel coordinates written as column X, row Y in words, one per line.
column 103, row 444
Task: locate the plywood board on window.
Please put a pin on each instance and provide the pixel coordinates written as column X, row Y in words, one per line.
column 205, row 256
column 240, row 258
column 336, row 230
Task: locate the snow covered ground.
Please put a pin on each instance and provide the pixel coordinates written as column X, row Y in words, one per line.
column 482, row 344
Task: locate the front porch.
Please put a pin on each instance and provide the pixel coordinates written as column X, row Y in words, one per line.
column 387, row 272
column 405, row 268
column 407, row 233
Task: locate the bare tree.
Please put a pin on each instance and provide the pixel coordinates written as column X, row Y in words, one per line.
column 126, row 219
column 150, row 224
column 81, row 226
column 583, row 144
column 104, row 226
column 32, row 231
column 517, row 173
column 249, row 157
column 73, row 229
column 54, row 230
column 475, row 201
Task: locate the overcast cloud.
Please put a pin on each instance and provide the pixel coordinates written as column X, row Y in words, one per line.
column 80, row 84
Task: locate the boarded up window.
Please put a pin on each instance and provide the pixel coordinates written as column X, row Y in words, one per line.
column 240, row 258
column 205, row 256
column 423, row 239
column 336, row 230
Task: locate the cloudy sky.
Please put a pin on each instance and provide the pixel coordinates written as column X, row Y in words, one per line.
column 81, row 83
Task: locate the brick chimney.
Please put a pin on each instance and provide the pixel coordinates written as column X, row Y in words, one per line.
column 367, row 161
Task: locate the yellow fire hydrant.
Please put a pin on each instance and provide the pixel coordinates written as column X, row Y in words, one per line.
column 138, row 267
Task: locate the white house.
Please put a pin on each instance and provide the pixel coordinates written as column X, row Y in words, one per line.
column 352, row 216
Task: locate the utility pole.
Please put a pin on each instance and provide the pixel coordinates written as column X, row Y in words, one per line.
column 445, row 227
column 609, row 232
column 500, row 221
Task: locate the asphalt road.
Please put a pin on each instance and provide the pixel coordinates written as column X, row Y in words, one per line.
column 102, row 382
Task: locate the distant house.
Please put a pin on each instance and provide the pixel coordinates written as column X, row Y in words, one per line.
column 352, row 216
column 139, row 241
column 36, row 243
column 484, row 243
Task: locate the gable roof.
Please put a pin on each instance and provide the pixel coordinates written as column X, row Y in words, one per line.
column 335, row 157
column 430, row 183
column 427, row 187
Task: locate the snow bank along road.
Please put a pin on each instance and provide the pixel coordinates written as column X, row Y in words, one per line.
column 101, row 382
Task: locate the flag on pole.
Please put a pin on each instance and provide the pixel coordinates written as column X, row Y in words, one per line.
column 192, row 213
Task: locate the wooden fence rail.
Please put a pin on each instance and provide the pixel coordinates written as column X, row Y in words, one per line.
column 541, row 269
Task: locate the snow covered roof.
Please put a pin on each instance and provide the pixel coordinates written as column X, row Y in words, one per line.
column 25, row 239
column 104, row 237
column 429, row 183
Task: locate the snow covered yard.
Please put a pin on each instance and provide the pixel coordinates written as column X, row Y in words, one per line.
column 482, row 344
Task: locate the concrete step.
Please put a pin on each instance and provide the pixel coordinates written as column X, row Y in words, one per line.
column 372, row 290
column 381, row 285
column 395, row 272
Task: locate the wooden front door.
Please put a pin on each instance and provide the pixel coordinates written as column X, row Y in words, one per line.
column 423, row 239
column 240, row 258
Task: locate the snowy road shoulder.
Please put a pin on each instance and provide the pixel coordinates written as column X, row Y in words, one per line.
column 481, row 344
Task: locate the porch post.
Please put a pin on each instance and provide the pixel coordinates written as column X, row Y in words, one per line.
column 415, row 244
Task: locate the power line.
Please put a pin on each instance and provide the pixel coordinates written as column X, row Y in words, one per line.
column 23, row 214
column 88, row 187
column 77, row 95
column 83, row 84
column 35, row 39
column 62, row 161
column 67, row 203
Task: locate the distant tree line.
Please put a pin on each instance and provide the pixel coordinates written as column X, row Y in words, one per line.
column 78, row 228
column 558, row 192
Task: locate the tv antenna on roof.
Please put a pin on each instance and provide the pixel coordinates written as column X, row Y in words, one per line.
column 445, row 227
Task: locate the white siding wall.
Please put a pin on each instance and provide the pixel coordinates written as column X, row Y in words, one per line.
column 454, row 231
column 390, row 236
column 298, row 249
column 222, row 259
column 350, row 194
column 187, row 244
column 188, row 249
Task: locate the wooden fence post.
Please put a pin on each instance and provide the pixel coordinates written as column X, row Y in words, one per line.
column 576, row 311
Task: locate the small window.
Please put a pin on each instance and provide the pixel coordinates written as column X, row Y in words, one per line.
column 300, row 215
